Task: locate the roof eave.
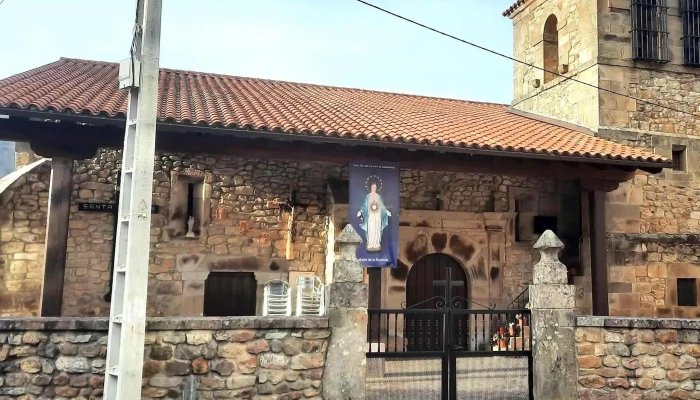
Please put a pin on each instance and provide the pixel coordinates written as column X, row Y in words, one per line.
column 515, row 9
column 649, row 166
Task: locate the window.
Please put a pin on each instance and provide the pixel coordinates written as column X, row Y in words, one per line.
column 230, row 294
column 678, row 155
column 649, row 30
column 550, row 45
column 691, row 32
column 687, row 292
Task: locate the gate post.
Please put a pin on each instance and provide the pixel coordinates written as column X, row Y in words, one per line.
column 346, row 362
column 552, row 308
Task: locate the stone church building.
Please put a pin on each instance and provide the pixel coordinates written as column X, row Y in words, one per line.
column 616, row 178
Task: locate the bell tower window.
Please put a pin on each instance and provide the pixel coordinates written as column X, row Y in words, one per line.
column 550, row 42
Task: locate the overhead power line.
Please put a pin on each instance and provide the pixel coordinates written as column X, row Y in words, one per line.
column 566, row 78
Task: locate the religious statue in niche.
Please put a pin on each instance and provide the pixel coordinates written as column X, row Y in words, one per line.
column 190, row 227
column 373, row 215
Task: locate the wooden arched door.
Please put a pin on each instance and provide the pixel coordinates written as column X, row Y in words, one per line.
column 426, row 290
column 421, row 283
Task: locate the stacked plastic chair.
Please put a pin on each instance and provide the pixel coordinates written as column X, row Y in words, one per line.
column 311, row 296
column 277, row 298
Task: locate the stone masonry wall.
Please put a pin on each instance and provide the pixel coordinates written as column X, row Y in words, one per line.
column 259, row 358
column 643, row 272
column 240, row 223
column 671, row 84
column 636, row 358
column 577, row 35
column 23, row 207
column 24, row 155
column 90, row 237
column 668, row 202
column 241, row 226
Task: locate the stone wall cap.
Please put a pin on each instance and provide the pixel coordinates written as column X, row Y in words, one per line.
column 590, row 321
column 348, row 235
column 164, row 323
column 548, row 240
column 637, row 322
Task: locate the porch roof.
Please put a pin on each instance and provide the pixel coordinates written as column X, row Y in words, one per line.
column 88, row 89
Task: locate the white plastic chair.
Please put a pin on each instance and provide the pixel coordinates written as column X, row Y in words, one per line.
column 311, row 296
column 277, row 298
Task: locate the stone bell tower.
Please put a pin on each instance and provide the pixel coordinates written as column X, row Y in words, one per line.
column 648, row 51
column 561, row 36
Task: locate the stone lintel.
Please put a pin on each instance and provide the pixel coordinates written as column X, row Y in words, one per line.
column 554, row 297
column 637, row 322
column 166, row 323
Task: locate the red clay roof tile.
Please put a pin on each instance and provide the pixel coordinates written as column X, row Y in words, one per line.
column 510, row 10
column 185, row 97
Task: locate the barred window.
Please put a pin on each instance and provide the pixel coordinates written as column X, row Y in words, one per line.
column 691, row 32
column 650, row 30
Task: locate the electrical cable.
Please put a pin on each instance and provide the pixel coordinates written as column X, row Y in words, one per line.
column 566, row 78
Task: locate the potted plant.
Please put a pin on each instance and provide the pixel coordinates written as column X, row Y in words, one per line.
column 526, row 321
column 499, row 339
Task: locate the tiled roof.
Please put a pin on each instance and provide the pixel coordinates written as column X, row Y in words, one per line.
column 194, row 98
column 510, row 10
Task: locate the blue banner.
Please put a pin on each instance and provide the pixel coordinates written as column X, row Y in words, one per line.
column 374, row 211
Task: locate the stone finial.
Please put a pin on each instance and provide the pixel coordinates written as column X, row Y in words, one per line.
column 552, row 304
column 548, row 240
column 549, row 269
column 349, row 236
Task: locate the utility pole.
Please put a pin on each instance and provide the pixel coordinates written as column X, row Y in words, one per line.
column 127, row 323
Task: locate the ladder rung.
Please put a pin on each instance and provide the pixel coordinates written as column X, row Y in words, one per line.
column 114, row 371
column 129, row 170
column 131, row 122
column 117, row 319
column 121, row 268
column 126, row 218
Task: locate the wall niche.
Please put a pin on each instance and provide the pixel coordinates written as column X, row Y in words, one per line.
column 189, row 207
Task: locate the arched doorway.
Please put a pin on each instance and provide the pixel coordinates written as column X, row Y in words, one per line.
column 421, row 286
column 426, row 289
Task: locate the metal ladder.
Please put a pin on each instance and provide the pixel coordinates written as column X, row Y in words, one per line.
column 127, row 323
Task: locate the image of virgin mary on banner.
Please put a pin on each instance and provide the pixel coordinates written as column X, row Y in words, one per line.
column 374, row 209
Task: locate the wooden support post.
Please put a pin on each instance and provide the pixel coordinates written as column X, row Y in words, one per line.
column 56, row 236
column 375, row 287
column 599, row 259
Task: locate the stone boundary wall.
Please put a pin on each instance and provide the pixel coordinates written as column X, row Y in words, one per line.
column 637, row 358
column 224, row 358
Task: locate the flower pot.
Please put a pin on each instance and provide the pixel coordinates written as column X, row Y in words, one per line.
column 511, row 330
column 502, row 343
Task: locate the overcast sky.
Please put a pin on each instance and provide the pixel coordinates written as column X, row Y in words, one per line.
column 331, row 42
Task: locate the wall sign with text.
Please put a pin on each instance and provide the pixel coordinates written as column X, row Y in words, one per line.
column 107, row 207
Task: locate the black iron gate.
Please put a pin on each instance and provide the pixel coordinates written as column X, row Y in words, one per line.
column 438, row 350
